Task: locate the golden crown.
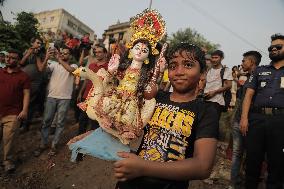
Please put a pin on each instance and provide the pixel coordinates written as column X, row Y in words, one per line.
column 148, row 25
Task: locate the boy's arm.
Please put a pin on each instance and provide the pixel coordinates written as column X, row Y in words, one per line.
column 197, row 167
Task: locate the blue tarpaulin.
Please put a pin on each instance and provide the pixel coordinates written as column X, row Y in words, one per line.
column 99, row 144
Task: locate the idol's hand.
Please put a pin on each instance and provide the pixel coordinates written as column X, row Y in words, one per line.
column 113, row 63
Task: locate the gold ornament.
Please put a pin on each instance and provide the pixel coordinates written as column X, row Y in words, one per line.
column 146, row 61
column 148, row 25
column 130, row 55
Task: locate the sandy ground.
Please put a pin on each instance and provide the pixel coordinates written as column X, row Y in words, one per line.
column 59, row 172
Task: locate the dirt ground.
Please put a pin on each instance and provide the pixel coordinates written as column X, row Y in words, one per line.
column 59, row 172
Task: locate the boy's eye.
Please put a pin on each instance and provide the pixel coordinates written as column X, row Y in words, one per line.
column 188, row 65
column 171, row 66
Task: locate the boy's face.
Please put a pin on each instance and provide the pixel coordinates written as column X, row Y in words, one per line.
column 184, row 72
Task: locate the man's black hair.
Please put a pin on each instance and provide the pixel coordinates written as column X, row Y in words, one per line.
column 218, row 53
column 254, row 55
column 16, row 51
column 101, row 46
column 277, row 36
column 199, row 55
column 36, row 38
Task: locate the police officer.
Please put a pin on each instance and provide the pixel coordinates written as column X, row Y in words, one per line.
column 264, row 120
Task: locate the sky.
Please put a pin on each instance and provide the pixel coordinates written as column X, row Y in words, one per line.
column 236, row 25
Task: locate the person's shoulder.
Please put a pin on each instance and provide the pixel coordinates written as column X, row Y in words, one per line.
column 23, row 75
column 162, row 95
column 262, row 68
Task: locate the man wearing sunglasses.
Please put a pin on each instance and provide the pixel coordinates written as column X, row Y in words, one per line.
column 263, row 122
column 59, row 93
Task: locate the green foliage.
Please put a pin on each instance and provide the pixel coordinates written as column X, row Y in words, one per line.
column 9, row 37
column 18, row 36
column 26, row 27
column 191, row 36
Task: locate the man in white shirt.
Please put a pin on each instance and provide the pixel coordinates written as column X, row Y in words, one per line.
column 214, row 88
column 59, row 93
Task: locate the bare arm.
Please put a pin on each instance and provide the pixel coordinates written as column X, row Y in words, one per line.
column 26, row 56
column 152, row 87
column 66, row 65
column 82, row 89
column 227, row 86
column 245, row 110
column 41, row 65
column 197, row 167
column 81, row 60
column 26, row 100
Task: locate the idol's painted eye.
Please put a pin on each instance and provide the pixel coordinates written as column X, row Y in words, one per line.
column 145, row 50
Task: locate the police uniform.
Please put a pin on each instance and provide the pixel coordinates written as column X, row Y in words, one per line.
column 266, row 127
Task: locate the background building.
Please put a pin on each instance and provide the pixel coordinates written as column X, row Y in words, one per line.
column 62, row 20
column 119, row 32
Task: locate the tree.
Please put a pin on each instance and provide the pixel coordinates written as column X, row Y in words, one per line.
column 18, row 36
column 1, row 17
column 9, row 37
column 26, row 26
column 191, row 36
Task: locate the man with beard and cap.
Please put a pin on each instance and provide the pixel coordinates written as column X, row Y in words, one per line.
column 14, row 102
column 263, row 121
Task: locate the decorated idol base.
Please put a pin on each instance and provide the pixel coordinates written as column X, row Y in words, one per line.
column 99, row 144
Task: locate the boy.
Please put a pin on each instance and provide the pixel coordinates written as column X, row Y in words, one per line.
column 179, row 141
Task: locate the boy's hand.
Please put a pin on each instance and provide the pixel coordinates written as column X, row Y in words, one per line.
column 128, row 168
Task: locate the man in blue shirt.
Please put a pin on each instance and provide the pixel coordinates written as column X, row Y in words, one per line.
column 264, row 125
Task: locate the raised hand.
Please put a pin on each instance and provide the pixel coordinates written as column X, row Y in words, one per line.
column 113, row 63
column 161, row 63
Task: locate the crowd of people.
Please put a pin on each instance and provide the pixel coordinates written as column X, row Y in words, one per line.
column 42, row 81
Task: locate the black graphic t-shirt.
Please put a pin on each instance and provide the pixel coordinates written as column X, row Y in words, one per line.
column 171, row 133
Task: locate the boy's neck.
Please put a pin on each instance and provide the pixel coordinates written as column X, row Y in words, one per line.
column 183, row 97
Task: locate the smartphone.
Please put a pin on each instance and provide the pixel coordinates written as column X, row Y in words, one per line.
column 51, row 45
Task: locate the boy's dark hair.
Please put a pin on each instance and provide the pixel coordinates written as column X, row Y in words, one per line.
column 2, row 54
column 199, row 55
column 254, row 55
column 16, row 51
column 277, row 36
column 218, row 53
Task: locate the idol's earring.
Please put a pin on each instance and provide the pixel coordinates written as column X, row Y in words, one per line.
column 146, row 61
column 130, row 55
